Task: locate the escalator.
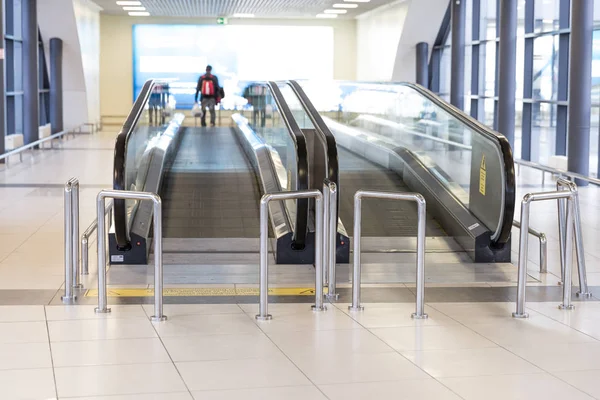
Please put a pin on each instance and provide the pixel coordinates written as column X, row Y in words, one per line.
column 210, row 181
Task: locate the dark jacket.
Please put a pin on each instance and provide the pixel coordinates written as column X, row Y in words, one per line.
column 199, row 87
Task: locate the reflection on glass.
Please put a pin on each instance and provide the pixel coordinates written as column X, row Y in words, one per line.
column 546, row 13
column 397, row 116
column 545, row 67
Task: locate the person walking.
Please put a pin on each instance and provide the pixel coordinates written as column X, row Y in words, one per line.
column 208, row 88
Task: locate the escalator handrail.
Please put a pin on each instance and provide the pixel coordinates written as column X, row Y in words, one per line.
column 327, row 138
column 301, row 226
column 503, row 235
column 119, row 211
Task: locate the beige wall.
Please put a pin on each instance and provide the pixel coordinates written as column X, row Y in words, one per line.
column 116, row 64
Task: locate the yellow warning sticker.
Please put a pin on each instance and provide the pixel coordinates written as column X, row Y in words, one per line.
column 183, row 292
column 482, row 176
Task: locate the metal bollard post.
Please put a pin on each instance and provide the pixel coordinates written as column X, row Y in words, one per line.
column 69, row 296
column 326, row 200
column 263, row 310
column 523, row 250
column 566, row 304
column 158, row 258
column 75, row 234
column 420, row 270
column 332, row 245
column 85, row 240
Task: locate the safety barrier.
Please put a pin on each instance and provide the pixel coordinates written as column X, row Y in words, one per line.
column 543, row 246
column 568, row 221
column 330, row 237
column 421, row 210
column 263, row 313
column 85, row 239
column 158, row 252
column 71, row 234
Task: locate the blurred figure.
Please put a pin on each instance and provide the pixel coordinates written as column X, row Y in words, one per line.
column 257, row 98
column 208, row 87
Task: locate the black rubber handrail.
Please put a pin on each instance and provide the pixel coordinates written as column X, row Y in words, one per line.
column 331, row 153
column 301, row 225
column 509, row 165
column 119, row 209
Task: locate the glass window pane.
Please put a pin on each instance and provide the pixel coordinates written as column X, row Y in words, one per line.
column 594, row 127
column 545, row 67
column 19, row 114
column 488, row 19
column 543, row 130
column 546, row 14
column 488, row 60
column 596, row 68
column 18, row 63
column 18, row 19
column 445, row 68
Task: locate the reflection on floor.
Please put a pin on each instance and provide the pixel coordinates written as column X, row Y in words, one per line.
column 469, row 348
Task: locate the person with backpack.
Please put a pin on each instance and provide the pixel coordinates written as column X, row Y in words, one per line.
column 210, row 94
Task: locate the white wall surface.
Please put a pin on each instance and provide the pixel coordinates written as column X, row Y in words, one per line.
column 116, row 63
column 378, row 33
column 76, row 23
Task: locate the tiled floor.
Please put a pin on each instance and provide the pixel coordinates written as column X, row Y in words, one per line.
column 469, row 348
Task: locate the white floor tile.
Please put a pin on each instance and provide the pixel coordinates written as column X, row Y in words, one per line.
column 106, row 352
column 469, row 362
column 562, row 357
column 306, row 320
column 153, row 396
column 178, row 310
column 432, row 337
column 418, row 389
column 21, row 313
column 25, row 355
column 220, row 347
column 283, row 393
column 586, row 381
column 357, row 367
column 400, row 315
column 241, row 374
column 99, row 329
column 514, row 387
column 331, row 343
column 27, row 384
column 23, row 332
column 118, row 380
column 478, row 313
column 64, row 313
column 188, row 325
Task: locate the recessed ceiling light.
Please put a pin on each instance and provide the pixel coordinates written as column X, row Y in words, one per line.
column 134, row 8
column 335, row 11
column 129, row 3
column 139, row 13
column 326, row 15
column 345, row 5
column 242, row 15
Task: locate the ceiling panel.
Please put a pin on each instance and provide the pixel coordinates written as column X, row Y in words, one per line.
column 226, row 8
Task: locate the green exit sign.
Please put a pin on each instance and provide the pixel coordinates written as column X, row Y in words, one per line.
column 222, row 21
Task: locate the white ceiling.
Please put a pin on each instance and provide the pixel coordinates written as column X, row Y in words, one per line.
column 226, row 8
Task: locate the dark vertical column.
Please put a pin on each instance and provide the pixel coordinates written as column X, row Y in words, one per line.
column 2, row 87
column 580, row 86
column 436, row 56
column 562, row 109
column 30, row 72
column 475, row 72
column 507, row 69
column 423, row 64
column 56, row 85
column 457, row 73
column 529, row 147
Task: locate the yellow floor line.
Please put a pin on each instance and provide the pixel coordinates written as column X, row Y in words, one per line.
column 175, row 292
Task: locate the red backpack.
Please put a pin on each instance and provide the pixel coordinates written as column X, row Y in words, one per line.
column 208, row 87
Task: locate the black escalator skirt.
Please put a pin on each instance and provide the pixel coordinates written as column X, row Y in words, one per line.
column 287, row 255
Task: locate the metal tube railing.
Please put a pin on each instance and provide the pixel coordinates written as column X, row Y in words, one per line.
column 581, row 267
column 71, row 217
column 30, row 145
column 543, row 246
column 559, row 172
column 524, row 242
column 85, row 239
column 263, row 313
column 330, row 237
column 420, row 281
column 158, row 253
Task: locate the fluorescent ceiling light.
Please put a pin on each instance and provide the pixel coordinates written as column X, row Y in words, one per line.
column 129, row 3
column 345, row 5
column 335, row 11
column 326, row 15
column 139, row 13
column 242, row 15
column 134, row 8
column 357, row 1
